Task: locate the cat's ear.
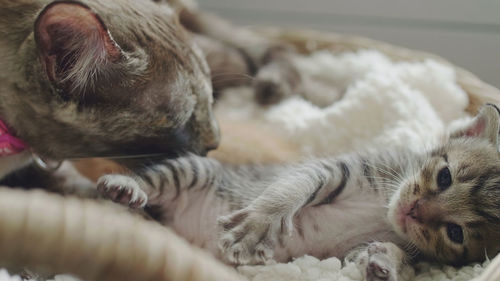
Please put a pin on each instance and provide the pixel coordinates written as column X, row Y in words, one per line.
column 485, row 124
column 74, row 44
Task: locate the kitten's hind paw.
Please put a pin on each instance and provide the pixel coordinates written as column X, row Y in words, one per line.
column 249, row 237
column 122, row 189
column 380, row 261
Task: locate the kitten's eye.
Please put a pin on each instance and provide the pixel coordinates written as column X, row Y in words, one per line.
column 444, row 179
column 455, row 233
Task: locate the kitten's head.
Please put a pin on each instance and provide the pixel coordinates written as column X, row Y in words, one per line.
column 450, row 207
column 112, row 77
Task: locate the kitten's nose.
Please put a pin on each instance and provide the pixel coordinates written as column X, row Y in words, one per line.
column 414, row 212
column 426, row 211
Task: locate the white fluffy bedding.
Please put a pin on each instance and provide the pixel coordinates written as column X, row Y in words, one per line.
column 382, row 103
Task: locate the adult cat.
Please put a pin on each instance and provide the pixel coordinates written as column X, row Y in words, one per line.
column 99, row 78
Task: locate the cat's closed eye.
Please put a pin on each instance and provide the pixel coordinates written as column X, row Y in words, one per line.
column 444, row 179
column 455, row 233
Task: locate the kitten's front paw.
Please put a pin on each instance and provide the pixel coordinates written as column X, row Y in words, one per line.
column 122, row 189
column 249, row 237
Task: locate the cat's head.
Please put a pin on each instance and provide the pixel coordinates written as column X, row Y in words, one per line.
column 450, row 206
column 112, row 77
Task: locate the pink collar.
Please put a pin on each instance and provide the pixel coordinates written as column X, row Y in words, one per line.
column 9, row 144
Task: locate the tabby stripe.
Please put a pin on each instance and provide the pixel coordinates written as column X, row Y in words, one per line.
column 481, row 181
column 282, row 226
column 175, row 177
column 489, row 217
column 367, row 173
column 468, row 177
column 210, row 182
column 474, row 224
column 235, row 221
column 345, row 176
column 147, row 179
column 494, row 106
column 163, row 180
column 427, row 174
column 321, row 183
column 313, row 195
column 202, row 173
column 154, row 177
column 208, row 175
column 187, row 173
column 328, row 167
column 194, row 169
column 181, row 172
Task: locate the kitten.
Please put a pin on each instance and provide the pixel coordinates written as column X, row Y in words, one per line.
column 440, row 205
column 100, row 78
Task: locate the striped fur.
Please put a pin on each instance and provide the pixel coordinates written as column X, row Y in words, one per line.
column 328, row 206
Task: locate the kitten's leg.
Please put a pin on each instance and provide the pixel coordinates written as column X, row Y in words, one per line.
column 122, row 189
column 382, row 262
column 250, row 235
column 165, row 179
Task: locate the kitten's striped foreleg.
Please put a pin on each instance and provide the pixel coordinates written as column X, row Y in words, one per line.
column 249, row 235
column 122, row 189
column 166, row 179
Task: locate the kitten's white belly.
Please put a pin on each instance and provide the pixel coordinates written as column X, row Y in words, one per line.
column 329, row 230
column 195, row 216
column 336, row 228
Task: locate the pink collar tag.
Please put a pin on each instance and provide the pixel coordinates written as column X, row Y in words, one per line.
column 9, row 144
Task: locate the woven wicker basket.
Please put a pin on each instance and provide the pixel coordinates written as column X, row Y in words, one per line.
column 97, row 242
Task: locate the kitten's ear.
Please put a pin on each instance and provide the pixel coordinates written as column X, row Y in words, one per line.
column 74, row 44
column 485, row 124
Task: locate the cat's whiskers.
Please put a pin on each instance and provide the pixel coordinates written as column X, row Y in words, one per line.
column 395, row 174
column 383, row 171
column 136, row 156
column 393, row 177
column 386, row 169
column 386, row 182
column 232, row 73
column 217, row 77
column 411, row 250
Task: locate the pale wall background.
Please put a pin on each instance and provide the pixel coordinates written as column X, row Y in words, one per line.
column 466, row 32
